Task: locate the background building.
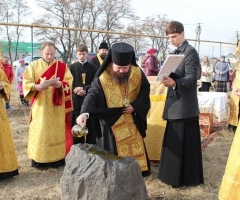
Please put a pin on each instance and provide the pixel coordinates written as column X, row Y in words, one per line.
column 17, row 50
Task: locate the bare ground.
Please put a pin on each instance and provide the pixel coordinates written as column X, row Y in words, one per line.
column 33, row 184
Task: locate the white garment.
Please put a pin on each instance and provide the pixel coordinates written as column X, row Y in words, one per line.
column 209, row 71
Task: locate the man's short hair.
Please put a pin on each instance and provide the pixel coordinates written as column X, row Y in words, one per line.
column 82, row 48
column 51, row 44
column 222, row 57
column 174, row 27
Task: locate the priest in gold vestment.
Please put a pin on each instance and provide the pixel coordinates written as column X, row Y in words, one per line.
column 230, row 186
column 234, row 100
column 120, row 97
column 8, row 158
column 50, row 127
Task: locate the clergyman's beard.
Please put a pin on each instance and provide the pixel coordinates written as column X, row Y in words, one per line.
column 119, row 78
column 103, row 56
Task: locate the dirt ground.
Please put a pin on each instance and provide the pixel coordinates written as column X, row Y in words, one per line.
column 33, row 184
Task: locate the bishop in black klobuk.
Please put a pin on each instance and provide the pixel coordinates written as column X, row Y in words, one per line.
column 123, row 127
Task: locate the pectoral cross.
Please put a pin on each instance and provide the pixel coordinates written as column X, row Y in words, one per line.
column 126, row 101
column 83, row 78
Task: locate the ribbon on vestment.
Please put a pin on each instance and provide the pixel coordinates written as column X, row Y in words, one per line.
column 99, row 59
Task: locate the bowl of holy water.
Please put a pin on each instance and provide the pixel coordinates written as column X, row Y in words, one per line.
column 80, row 131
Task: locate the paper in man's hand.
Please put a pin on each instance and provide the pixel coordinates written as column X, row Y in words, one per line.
column 169, row 66
column 48, row 83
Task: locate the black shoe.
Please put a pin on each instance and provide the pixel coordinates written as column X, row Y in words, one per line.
column 234, row 129
column 22, row 100
column 146, row 173
column 230, row 127
column 25, row 103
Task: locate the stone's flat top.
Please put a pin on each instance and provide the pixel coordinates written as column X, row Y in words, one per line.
column 106, row 155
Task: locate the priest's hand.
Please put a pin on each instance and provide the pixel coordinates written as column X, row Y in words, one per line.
column 40, row 88
column 82, row 119
column 237, row 92
column 57, row 85
column 1, row 86
column 79, row 91
column 168, row 82
column 128, row 110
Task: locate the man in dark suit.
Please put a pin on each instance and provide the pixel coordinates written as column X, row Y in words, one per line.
column 181, row 158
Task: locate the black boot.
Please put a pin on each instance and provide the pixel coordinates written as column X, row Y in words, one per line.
column 26, row 103
column 234, row 129
column 22, row 99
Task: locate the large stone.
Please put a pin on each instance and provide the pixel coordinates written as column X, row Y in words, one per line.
column 92, row 173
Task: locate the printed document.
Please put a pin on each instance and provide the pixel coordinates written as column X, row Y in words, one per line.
column 48, row 83
column 170, row 65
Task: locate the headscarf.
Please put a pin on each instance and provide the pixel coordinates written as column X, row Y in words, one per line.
column 152, row 51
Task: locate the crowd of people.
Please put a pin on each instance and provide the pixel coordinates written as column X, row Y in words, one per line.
column 220, row 76
column 110, row 95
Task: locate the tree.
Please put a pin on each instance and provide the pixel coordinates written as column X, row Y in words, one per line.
column 80, row 20
column 81, row 14
column 138, row 42
column 114, row 12
column 13, row 12
column 156, row 25
column 57, row 13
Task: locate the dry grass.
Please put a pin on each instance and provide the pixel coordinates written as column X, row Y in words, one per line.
column 36, row 184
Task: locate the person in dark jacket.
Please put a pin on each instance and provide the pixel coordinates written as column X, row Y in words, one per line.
column 221, row 75
column 181, row 157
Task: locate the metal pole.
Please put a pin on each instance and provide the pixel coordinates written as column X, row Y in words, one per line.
column 220, row 49
column 102, row 31
column 199, row 44
column 32, row 41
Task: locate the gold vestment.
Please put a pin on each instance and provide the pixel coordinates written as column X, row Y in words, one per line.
column 128, row 139
column 230, row 186
column 47, row 134
column 8, row 158
column 234, row 100
column 155, row 123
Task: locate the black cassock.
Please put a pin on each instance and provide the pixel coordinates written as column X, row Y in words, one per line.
column 95, row 61
column 181, row 157
column 77, row 69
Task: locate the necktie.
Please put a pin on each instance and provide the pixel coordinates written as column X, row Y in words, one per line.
column 176, row 51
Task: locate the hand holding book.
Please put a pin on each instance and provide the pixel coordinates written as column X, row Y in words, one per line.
column 169, row 67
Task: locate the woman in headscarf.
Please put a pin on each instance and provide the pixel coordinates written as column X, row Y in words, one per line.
column 151, row 63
